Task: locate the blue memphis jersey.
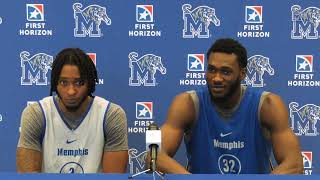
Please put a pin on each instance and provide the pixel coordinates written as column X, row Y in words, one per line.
column 236, row 146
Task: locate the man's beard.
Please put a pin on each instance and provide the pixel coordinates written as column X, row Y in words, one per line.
column 229, row 94
column 73, row 108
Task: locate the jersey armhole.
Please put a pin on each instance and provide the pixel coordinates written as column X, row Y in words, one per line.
column 265, row 132
column 195, row 100
column 105, row 122
column 44, row 124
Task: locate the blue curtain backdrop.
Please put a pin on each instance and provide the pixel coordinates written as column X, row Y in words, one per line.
column 282, row 38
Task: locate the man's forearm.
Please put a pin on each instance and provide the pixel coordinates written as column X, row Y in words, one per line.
column 28, row 161
column 294, row 167
column 166, row 164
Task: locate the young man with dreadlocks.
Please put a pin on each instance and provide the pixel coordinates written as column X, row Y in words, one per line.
column 73, row 131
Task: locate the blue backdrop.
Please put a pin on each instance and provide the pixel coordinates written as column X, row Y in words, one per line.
column 282, row 38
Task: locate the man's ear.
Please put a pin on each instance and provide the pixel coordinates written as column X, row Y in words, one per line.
column 243, row 73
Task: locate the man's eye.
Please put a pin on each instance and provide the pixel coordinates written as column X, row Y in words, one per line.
column 63, row 83
column 210, row 69
column 79, row 83
column 226, row 72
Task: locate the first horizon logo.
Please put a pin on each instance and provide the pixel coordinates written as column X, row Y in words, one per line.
column 253, row 14
column 307, row 162
column 145, row 25
column 144, row 110
column 144, row 116
column 35, row 25
column 304, row 75
column 304, row 63
column 35, row 12
column 195, row 74
column 195, row 62
column 253, row 27
column 93, row 57
column 144, row 13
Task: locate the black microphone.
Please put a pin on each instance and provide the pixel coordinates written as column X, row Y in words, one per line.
column 153, row 143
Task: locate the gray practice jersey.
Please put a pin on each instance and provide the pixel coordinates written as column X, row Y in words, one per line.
column 32, row 127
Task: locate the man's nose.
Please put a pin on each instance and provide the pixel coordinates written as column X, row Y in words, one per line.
column 216, row 77
column 71, row 90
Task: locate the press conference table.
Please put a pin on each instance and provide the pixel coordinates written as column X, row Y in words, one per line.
column 9, row 176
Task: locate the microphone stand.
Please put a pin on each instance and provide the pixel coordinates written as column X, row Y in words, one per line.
column 160, row 174
column 153, row 153
column 152, row 170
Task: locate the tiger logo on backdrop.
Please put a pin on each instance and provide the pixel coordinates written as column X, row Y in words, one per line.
column 137, row 161
column 305, row 22
column 143, row 69
column 256, row 68
column 35, row 68
column 89, row 19
column 304, row 119
column 198, row 20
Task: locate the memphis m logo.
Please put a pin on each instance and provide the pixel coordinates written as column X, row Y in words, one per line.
column 144, row 69
column 88, row 20
column 304, row 119
column 256, row 67
column 34, row 69
column 305, row 23
column 137, row 161
column 197, row 21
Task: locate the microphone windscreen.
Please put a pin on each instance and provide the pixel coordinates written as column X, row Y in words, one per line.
column 153, row 136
